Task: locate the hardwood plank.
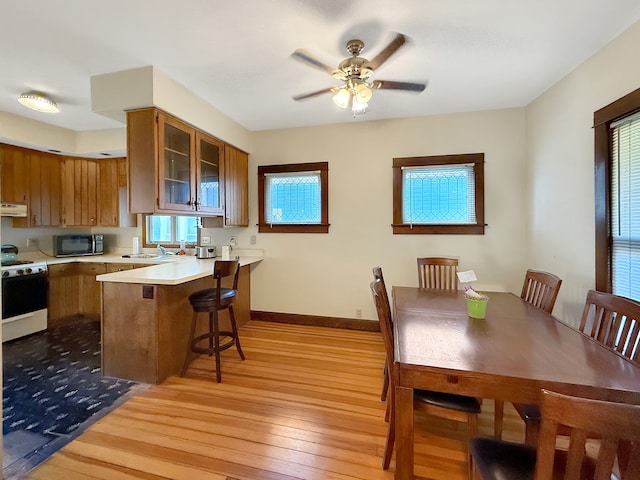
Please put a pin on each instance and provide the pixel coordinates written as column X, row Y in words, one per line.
column 304, row 405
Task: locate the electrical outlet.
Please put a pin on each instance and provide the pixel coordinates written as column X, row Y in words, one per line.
column 206, row 240
column 252, row 239
column 359, row 313
column 32, row 242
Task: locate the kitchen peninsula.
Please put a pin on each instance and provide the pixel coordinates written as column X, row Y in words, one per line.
column 146, row 314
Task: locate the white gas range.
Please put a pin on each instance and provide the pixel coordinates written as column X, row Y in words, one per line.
column 24, row 298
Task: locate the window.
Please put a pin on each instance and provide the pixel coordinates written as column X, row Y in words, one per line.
column 617, row 195
column 439, row 194
column 293, row 198
column 170, row 230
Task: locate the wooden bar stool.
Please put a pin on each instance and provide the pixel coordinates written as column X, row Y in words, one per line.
column 212, row 300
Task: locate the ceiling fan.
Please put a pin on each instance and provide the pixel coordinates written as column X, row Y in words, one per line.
column 355, row 72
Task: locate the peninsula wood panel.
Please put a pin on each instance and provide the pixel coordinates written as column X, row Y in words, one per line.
column 145, row 339
column 305, row 404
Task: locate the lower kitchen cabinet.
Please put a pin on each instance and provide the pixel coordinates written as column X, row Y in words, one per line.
column 73, row 289
column 89, row 288
column 64, row 293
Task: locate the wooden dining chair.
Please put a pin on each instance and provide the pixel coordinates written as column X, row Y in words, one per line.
column 438, row 272
column 377, row 275
column 454, row 407
column 609, row 319
column 540, row 289
column 612, row 423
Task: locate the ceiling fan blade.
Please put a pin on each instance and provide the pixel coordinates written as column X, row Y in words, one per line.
column 304, row 57
column 386, row 52
column 391, row 85
column 304, row 96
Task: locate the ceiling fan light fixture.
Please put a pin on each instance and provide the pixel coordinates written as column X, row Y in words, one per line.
column 358, row 107
column 363, row 93
column 342, row 97
column 38, row 101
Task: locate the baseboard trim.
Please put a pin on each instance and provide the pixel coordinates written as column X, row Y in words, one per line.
column 317, row 321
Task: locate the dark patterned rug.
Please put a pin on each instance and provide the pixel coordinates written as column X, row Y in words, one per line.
column 53, row 388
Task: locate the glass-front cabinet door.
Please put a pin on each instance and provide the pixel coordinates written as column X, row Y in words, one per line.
column 209, row 181
column 176, row 175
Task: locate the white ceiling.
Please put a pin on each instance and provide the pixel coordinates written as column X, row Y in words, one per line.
column 235, row 54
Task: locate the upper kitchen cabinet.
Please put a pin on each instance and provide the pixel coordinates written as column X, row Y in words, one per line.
column 94, row 193
column 209, row 169
column 236, row 187
column 112, row 194
column 80, row 192
column 176, row 169
column 15, row 177
column 32, row 178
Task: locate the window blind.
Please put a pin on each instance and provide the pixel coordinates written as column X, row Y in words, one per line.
column 625, row 207
column 292, row 198
column 442, row 194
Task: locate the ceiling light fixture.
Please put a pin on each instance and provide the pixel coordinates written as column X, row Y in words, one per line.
column 355, row 94
column 39, row 102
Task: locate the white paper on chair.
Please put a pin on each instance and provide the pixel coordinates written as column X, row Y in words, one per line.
column 467, row 277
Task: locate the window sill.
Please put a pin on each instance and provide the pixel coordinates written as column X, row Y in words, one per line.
column 294, row 228
column 405, row 229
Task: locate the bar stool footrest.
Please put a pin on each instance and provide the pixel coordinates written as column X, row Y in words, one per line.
column 210, row 351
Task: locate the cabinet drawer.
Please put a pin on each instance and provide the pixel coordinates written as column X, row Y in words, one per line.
column 119, row 267
column 62, row 270
column 92, row 268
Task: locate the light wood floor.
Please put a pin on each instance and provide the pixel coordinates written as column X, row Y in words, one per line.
column 305, row 404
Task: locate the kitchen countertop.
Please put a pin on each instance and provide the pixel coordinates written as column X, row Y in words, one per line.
column 173, row 271
column 167, row 270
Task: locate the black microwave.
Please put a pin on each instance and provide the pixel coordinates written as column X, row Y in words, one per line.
column 79, row 244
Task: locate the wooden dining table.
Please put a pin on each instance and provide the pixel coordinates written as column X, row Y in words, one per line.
column 510, row 355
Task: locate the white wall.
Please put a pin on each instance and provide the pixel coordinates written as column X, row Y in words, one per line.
column 329, row 274
column 560, row 162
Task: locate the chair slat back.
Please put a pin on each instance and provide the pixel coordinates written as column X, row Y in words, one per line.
column 381, row 302
column 438, row 272
column 611, row 422
column 226, row 268
column 613, row 321
column 540, row 289
column 377, row 275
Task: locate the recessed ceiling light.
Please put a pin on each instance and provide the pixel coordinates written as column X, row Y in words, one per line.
column 39, row 102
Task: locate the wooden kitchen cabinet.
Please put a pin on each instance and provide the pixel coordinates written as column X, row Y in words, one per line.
column 174, row 168
column 89, row 288
column 15, row 177
column 79, row 192
column 112, row 194
column 64, row 293
column 32, row 178
column 236, row 187
column 45, row 191
column 210, row 154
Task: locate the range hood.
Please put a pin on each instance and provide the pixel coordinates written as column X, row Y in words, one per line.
column 13, row 210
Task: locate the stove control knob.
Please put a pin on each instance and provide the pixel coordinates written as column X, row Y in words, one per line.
column 19, row 271
column 27, row 271
column 5, row 274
